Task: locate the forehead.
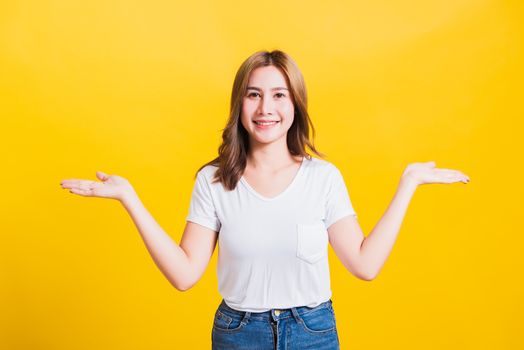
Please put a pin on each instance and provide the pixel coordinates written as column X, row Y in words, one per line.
column 269, row 76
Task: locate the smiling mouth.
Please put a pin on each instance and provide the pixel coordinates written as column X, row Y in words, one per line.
column 266, row 123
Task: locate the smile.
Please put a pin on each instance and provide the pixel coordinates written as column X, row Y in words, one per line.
column 265, row 125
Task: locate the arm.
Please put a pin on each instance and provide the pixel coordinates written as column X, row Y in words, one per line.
column 377, row 246
column 182, row 265
column 365, row 256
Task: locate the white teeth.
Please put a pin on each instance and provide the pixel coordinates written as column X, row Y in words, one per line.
column 265, row 123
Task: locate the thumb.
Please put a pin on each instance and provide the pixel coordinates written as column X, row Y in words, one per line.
column 102, row 176
column 432, row 163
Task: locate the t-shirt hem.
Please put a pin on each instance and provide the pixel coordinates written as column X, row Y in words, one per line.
column 265, row 309
column 338, row 217
column 203, row 222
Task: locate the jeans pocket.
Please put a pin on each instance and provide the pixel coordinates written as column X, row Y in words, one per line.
column 227, row 323
column 318, row 321
column 312, row 241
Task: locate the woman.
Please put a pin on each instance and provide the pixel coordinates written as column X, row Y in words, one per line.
column 276, row 208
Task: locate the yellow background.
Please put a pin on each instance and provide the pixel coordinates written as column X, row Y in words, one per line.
column 141, row 89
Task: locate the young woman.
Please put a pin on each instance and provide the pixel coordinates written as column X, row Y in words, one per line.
column 273, row 209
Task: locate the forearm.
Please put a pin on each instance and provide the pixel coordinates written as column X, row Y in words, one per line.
column 377, row 246
column 167, row 254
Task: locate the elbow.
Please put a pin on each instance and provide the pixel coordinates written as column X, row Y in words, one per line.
column 366, row 276
column 182, row 286
column 361, row 274
column 182, row 281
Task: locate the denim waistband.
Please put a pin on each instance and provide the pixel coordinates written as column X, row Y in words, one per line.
column 274, row 314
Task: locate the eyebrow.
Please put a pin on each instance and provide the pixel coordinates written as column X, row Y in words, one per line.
column 259, row 89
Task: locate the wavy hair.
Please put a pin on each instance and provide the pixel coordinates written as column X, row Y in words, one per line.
column 232, row 153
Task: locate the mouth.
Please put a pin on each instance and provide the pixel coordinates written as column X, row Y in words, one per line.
column 265, row 124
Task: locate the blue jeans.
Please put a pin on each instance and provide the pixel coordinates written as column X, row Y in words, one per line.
column 299, row 328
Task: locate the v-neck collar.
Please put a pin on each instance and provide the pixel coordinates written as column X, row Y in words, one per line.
column 287, row 189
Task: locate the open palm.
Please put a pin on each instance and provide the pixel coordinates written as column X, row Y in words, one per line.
column 427, row 173
column 109, row 186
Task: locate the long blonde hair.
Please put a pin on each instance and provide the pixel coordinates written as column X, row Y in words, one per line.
column 232, row 153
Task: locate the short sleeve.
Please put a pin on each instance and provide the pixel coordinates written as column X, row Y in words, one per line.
column 201, row 208
column 338, row 203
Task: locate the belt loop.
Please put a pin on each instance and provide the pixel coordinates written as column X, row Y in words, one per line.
column 296, row 315
column 246, row 317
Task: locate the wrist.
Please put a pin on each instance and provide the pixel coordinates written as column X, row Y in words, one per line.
column 409, row 181
column 128, row 196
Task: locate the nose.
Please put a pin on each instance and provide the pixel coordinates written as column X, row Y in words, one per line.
column 265, row 106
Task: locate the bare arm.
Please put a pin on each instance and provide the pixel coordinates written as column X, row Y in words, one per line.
column 182, row 265
column 365, row 256
column 377, row 246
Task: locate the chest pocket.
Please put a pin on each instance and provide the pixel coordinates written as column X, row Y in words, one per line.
column 312, row 241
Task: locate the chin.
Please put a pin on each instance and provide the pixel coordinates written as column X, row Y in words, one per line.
column 268, row 140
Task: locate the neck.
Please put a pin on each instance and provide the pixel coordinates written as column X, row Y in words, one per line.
column 270, row 157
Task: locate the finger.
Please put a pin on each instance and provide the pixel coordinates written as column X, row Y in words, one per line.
column 458, row 172
column 89, row 185
column 80, row 184
column 461, row 178
column 85, row 193
column 448, row 171
column 464, row 175
column 70, row 183
column 456, row 177
column 455, row 170
column 102, row 176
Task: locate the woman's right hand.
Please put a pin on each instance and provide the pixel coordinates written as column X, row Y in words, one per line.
column 111, row 186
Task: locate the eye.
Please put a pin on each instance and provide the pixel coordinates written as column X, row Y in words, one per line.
column 280, row 95
column 253, row 94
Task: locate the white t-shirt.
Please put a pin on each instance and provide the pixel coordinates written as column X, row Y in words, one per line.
column 272, row 252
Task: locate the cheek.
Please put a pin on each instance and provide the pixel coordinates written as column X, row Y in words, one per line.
column 248, row 109
column 244, row 121
column 288, row 110
column 245, row 116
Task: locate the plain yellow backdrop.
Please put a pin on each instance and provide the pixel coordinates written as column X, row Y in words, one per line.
column 141, row 89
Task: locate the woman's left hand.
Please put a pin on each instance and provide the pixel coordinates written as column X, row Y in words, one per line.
column 426, row 173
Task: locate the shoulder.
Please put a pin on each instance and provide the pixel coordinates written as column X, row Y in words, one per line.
column 322, row 167
column 324, row 173
column 207, row 173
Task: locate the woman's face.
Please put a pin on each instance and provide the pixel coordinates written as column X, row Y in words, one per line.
column 267, row 107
